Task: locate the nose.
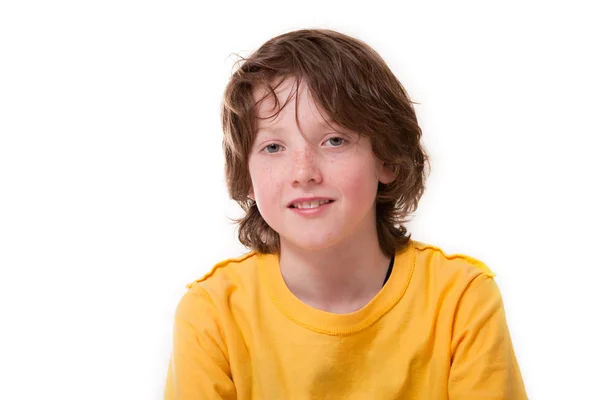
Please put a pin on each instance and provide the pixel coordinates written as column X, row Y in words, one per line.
column 305, row 167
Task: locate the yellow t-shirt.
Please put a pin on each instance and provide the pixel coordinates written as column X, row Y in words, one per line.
column 436, row 330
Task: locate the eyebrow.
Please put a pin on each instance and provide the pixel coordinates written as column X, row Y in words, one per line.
column 267, row 129
column 326, row 123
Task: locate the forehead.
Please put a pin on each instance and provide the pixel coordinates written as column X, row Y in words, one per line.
column 294, row 99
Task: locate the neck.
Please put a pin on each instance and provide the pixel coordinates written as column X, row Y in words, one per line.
column 342, row 278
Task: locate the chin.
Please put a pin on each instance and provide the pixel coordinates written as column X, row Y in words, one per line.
column 313, row 242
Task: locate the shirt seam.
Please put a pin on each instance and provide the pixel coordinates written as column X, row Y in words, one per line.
column 471, row 260
column 220, row 265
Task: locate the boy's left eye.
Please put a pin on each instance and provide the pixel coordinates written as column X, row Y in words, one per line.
column 336, row 141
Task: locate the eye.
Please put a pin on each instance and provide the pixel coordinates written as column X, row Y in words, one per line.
column 336, row 141
column 272, row 148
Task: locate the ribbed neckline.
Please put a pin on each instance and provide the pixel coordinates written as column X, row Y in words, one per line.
column 331, row 323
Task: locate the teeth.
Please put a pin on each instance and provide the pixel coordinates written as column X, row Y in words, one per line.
column 310, row 204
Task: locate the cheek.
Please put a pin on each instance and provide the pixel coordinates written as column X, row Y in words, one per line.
column 358, row 180
column 264, row 182
column 361, row 191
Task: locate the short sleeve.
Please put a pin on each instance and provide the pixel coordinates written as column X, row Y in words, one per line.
column 199, row 365
column 484, row 365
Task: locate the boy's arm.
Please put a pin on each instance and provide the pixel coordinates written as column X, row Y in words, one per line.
column 199, row 366
column 483, row 363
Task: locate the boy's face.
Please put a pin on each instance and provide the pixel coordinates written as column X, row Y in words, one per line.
column 296, row 166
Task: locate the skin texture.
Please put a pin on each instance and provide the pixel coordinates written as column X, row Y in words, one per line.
column 331, row 260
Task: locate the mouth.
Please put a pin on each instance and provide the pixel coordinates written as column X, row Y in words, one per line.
column 309, row 204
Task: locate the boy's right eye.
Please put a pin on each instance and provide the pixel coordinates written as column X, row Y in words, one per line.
column 272, row 148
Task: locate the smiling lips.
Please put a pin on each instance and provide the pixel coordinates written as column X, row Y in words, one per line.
column 310, row 206
column 309, row 203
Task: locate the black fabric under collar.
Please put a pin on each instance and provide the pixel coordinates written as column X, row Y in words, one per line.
column 389, row 271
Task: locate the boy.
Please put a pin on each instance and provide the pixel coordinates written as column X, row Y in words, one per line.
column 335, row 301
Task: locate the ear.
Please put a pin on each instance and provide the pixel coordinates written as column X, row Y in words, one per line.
column 251, row 195
column 387, row 173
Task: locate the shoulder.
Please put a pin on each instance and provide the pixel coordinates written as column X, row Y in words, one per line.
column 447, row 272
column 226, row 278
column 435, row 257
column 204, row 316
column 457, row 283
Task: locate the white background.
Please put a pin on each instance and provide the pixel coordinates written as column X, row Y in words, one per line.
column 113, row 198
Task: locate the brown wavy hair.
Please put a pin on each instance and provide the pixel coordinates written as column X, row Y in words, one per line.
column 351, row 83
